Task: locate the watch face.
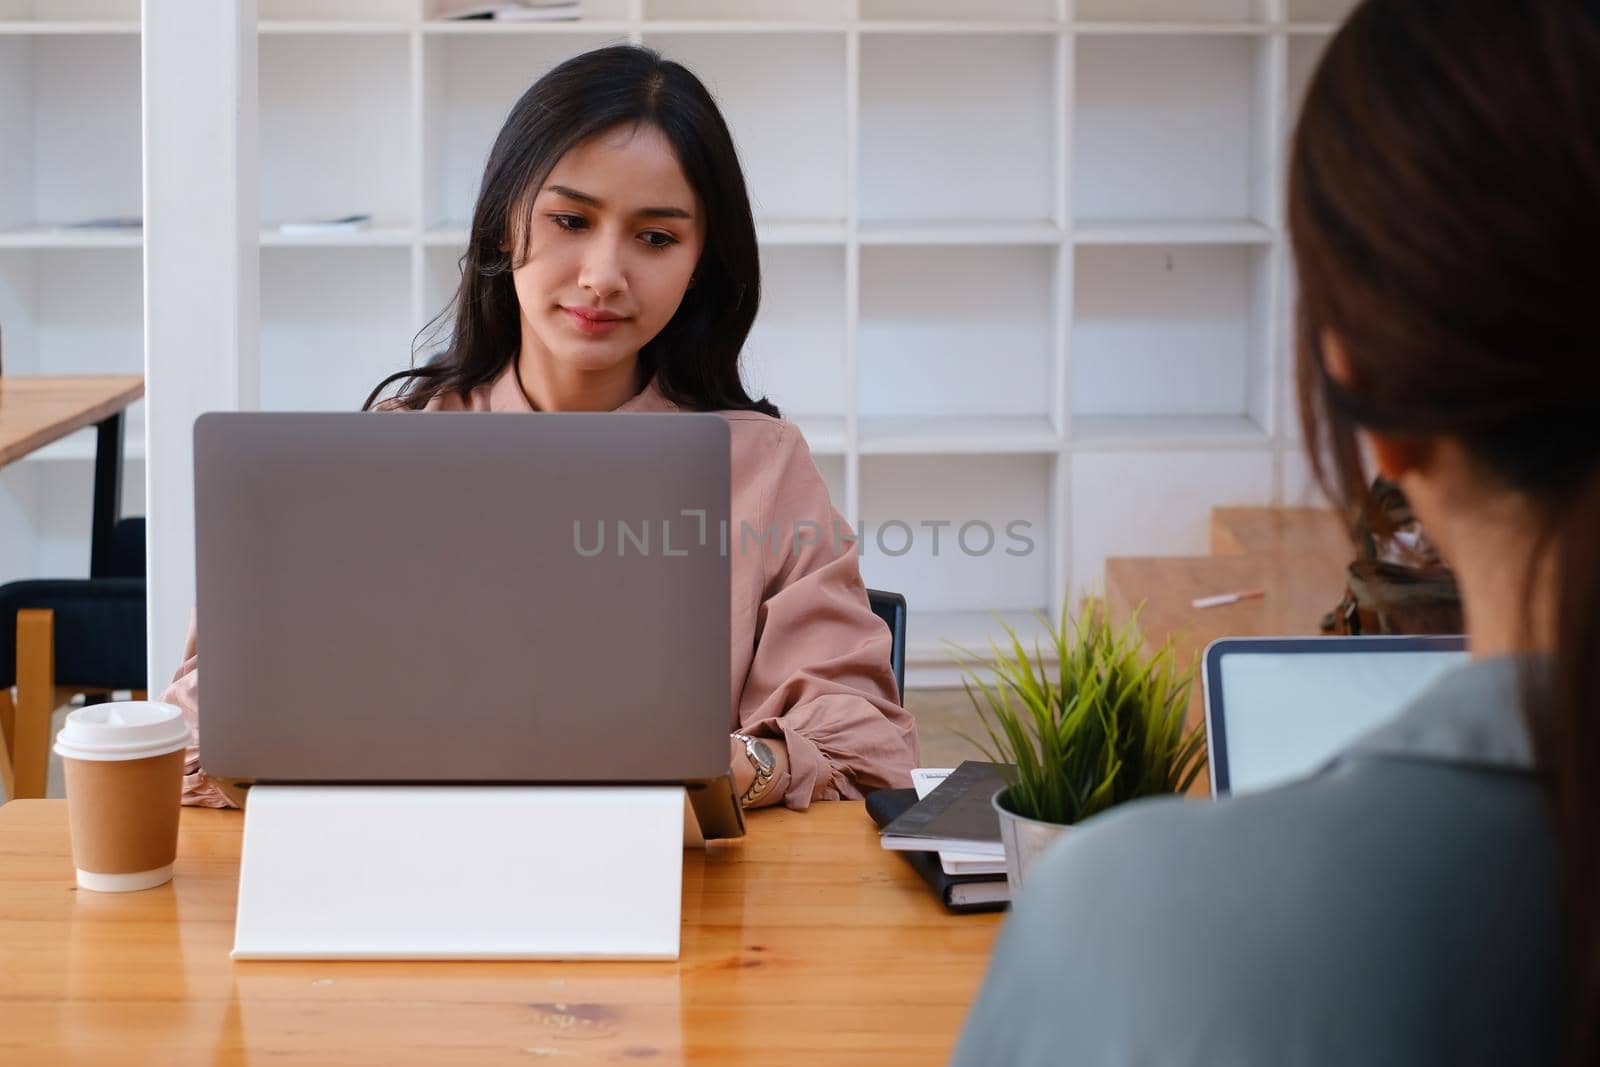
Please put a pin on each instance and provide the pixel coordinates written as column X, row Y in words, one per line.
column 764, row 756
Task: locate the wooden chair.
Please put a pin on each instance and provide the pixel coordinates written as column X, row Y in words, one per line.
column 68, row 637
column 62, row 637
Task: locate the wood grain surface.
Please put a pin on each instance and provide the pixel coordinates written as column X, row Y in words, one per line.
column 38, row 410
column 1319, row 532
column 1297, row 555
column 803, row 943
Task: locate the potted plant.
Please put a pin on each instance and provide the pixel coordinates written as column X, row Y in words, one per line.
column 1105, row 726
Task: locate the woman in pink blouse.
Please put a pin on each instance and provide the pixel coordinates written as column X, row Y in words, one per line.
column 612, row 266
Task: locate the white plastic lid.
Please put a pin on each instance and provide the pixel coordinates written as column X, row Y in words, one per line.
column 129, row 729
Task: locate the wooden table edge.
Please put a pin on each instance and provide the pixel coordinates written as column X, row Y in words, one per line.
column 100, row 411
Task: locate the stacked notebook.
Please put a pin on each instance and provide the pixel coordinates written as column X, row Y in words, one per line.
column 947, row 830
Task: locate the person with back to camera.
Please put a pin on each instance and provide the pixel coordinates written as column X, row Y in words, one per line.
column 612, row 266
column 1433, row 895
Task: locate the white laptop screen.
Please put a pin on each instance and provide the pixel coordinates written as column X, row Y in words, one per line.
column 1278, row 715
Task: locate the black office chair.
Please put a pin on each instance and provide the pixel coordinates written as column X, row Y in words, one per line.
column 891, row 608
column 59, row 637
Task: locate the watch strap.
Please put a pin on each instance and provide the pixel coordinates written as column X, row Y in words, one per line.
column 764, row 775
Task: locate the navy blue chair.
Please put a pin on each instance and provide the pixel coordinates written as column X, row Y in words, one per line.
column 60, row 637
column 891, row 608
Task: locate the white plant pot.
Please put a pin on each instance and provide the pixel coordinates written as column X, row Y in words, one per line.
column 1025, row 841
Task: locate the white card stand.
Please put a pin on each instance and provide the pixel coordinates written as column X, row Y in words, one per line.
column 461, row 872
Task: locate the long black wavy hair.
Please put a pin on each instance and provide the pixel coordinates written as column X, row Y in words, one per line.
column 695, row 357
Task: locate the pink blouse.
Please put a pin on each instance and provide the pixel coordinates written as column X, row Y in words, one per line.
column 810, row 660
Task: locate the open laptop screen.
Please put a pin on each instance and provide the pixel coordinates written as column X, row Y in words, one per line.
column 1278, row 708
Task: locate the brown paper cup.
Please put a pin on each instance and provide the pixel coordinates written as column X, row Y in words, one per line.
column 124, row 771
column 124, row 818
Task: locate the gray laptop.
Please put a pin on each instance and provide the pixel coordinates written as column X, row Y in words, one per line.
column 1278, row 708
column 466, row 598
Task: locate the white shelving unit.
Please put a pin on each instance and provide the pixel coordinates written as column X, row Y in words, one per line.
column 1028, row 268
column 71, row 299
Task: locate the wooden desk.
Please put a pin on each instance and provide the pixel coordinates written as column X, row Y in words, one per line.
column 36, row 411
column 1300, row 590
column 805, row 942
column 1319, row 532
column 1297, row 555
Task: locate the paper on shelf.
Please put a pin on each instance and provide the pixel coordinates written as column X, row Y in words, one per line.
column 346, row 224
column 116, row 222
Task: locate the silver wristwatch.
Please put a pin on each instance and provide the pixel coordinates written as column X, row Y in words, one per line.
column 766, row 766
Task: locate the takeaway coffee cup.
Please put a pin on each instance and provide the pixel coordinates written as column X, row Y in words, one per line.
column 124, row 770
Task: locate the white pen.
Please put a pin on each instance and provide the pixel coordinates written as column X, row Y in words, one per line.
column 1229, row 598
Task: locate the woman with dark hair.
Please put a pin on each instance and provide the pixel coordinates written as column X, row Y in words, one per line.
column 612, row 266
column 1433, row 895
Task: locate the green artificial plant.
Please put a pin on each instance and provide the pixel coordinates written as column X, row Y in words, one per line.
column 1105, row 726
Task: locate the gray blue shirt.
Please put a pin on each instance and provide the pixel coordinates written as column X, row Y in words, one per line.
column 1399, row 907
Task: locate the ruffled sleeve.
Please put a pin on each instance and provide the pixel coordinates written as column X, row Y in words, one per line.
column 821, row 677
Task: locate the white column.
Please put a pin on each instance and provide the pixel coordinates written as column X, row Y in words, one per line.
column 201, row 277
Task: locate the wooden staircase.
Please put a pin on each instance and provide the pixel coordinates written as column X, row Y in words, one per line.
column 1297, row 555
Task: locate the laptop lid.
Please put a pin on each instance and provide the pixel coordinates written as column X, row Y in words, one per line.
column 1278, row 708
column 463, row 597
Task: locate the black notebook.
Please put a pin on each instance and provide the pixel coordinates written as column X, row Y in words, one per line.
column 957, row 816
column 960, row 892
